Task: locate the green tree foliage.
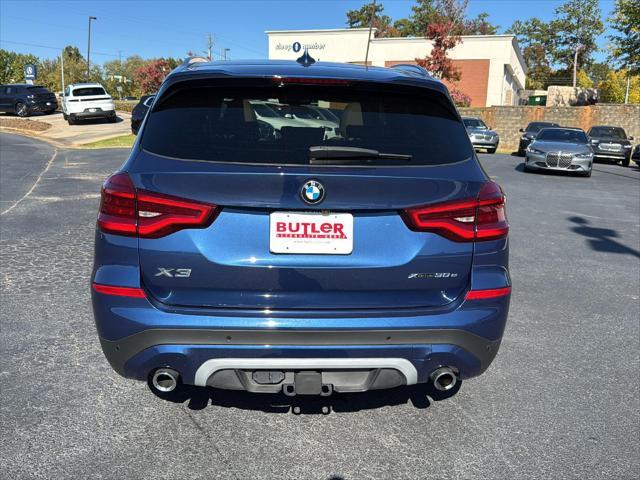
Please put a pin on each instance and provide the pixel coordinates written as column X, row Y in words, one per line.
column 361, row 18
column 480, row 26
column 537, row 40
column 625, row 43
column 613, row 88
column 423, row 14
column 577, row 23
column 583, row 80
column 112, row 74
column 12, row 66
column 598, row 72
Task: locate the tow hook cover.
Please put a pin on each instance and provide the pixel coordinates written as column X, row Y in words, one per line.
column 308, row 383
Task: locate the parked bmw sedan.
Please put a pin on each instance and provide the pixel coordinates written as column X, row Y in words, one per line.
column 563, row 149
column 481, row 136
column 529, row 134
column 610, row 143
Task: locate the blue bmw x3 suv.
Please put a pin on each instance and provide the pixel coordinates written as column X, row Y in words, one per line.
column 304, row 228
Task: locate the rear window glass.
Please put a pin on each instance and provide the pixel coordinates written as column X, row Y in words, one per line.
column 473, row 123
column 88, row 91
column 536, row 127
column 611, row 132
column 280, row 124
column 37, row 89
column 559, row 135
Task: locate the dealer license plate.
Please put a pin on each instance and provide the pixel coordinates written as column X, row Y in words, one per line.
column 311, row 233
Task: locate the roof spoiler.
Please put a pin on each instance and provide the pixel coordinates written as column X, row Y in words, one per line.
column 412, row 69
column 189, row 61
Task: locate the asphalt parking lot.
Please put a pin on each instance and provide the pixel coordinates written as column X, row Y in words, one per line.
column 561, row 400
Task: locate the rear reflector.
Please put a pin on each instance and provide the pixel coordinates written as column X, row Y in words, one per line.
column 481, row 218
column 487, row 294
column 119, row 291
column 127, row 211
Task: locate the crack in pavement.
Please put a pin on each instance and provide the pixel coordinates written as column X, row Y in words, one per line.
column 33, row 187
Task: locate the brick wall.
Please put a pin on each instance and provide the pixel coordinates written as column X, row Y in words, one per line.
column 474, row 78
column 508, row 120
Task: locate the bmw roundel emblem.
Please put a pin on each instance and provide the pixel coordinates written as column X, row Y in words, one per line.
column 312, row 192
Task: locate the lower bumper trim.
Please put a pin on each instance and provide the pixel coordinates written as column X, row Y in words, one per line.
column 118, row 352
column 214, row 365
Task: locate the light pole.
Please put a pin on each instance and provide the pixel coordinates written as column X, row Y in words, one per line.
column 89, row 48
column 225, row 52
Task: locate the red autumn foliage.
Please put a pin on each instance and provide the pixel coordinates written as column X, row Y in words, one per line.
column 150, row 76
column 438, row 63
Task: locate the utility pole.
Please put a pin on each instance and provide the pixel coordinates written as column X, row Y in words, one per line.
column 373, row 15
column 89, row 48
column 62, row 69
column 626, row 94
column 210, row 46
column 575, row 64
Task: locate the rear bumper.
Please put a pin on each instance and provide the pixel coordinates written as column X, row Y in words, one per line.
column 465, row 337
column 97, row 114
column 186, row 350
column 485, row 143
column 42, row 106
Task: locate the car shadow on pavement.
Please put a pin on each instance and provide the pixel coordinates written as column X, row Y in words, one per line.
column 198, row 398
column 601, row 239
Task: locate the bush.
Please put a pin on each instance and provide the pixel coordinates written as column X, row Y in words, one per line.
column 125, row 106
column 460, row 98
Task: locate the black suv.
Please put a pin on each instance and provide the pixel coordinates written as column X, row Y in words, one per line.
column 139, row 111
column 610, row 143
column 530, row 132
column 25, row 99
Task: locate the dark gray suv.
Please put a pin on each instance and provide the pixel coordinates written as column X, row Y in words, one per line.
column 25, row 99
column 610, row 143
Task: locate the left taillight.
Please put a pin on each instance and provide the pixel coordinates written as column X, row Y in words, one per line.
column 125, row 210
column 481, row 218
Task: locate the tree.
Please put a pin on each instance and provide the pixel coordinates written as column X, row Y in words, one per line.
column 583, row 80
column 151, row 75
column 480, row 26
column 423, row 14
column 361, row 18
column 613, row 88
column 578, row 24
column 625, row 45
column 12, row 66
column 598, row 72
column 437, row 62
column 537, row 40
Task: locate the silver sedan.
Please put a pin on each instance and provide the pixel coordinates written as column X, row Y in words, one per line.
column 560, row 149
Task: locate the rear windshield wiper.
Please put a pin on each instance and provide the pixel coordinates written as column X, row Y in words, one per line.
column 331, row 154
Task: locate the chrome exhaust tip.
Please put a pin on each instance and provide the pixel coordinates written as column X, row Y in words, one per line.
column 165, row 380
column 444, row 379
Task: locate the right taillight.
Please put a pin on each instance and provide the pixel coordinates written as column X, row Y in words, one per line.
column 125, row 210
column 481, row 218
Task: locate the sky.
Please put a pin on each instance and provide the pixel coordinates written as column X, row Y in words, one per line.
column 162, row 28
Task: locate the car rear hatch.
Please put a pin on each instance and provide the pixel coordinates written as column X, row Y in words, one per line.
column 295, row 219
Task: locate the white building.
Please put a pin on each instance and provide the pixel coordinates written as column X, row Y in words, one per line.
column 492, row 67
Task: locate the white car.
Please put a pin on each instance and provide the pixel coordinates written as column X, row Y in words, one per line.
column 87, row 101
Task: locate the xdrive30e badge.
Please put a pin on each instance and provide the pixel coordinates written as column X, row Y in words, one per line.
column 312, row 192
column 433, row 275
